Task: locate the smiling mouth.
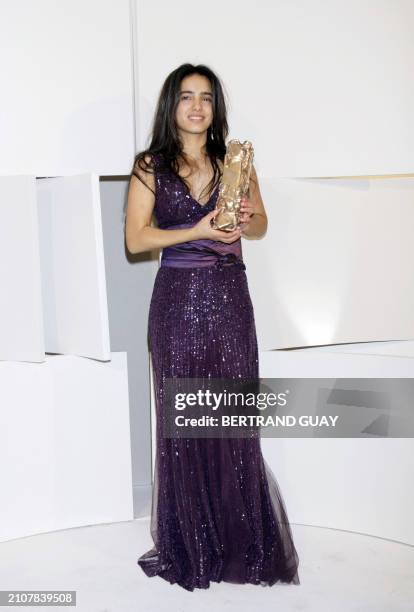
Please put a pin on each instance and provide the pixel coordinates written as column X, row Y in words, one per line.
column 196, row 118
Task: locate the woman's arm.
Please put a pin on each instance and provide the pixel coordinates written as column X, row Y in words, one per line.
column 253, row 217
column 140, row 235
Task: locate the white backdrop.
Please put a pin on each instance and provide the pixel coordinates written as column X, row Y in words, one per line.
column 344, row 483
column 336, row 263
column 66, row 91
column 21, row 309
column 321, row 88
column 65, row 451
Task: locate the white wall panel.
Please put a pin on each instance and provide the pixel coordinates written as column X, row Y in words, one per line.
column 351, row 484
column 321, row 88
column 73, row 267
column 66, row 90
column 336, row 262
column 21, row 318
column 65, row 451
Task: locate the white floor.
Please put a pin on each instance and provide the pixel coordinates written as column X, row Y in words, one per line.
column 339, row 571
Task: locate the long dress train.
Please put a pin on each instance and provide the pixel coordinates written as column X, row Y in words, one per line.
column 217, row 511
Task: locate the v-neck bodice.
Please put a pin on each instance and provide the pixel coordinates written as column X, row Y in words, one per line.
column 175, row 208
column 174, row 203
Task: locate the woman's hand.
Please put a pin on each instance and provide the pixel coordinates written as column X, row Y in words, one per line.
column 203, row 230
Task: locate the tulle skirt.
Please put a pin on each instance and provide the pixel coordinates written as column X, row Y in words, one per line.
column 217, row 511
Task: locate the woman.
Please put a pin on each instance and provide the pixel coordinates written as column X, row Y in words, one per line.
column 217, row 513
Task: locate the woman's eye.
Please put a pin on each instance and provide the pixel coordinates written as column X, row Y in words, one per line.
column 206, row 99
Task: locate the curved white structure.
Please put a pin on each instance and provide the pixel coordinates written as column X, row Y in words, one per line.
column 357, row 484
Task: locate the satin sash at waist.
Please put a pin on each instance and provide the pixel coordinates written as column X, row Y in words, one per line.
column 202, row 253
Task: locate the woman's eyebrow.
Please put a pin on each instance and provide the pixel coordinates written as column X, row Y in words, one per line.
column 208, row 93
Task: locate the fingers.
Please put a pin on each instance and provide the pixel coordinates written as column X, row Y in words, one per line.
column 245, row 206
column 222, row 235
column 225, row 236
column 234, row 234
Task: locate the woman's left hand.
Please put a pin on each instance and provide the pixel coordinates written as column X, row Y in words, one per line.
column 246, row 211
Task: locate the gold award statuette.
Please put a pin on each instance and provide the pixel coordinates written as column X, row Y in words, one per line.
column 234, row 184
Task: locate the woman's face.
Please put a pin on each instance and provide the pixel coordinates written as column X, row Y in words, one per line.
column 194, row 112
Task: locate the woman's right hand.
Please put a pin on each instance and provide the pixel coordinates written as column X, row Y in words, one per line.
column 203, row 230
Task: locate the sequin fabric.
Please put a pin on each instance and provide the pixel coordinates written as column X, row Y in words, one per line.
column 217, row 511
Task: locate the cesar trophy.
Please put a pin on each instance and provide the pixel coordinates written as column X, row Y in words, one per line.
column 234, row 184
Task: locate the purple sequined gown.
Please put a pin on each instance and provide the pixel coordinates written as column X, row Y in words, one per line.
column 217, row 512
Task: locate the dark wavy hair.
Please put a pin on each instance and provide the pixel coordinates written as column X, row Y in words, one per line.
column 164, row 133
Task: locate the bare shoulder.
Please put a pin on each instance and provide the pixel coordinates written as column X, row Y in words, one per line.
column 144, row 171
